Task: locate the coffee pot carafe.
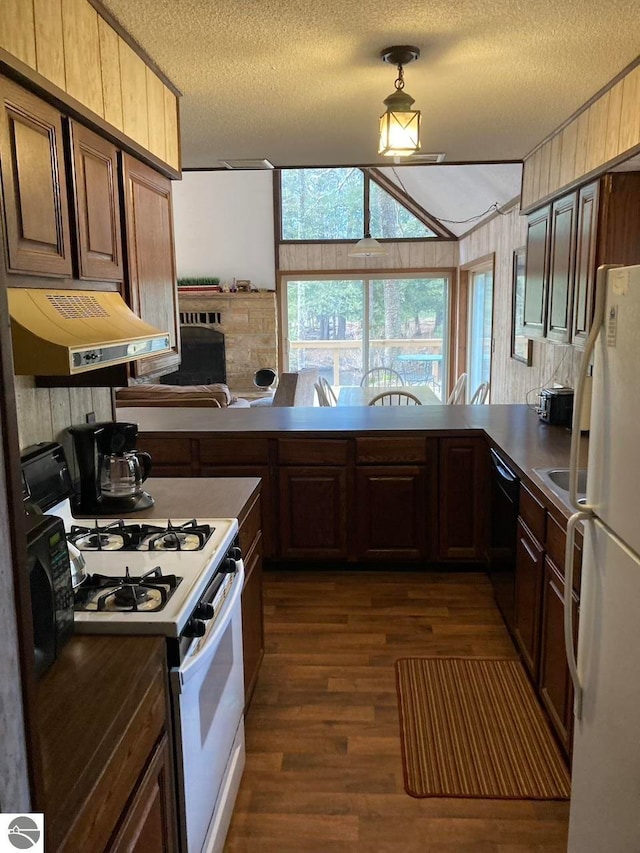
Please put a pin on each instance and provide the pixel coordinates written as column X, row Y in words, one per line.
column 122, row 474
column 111, row 470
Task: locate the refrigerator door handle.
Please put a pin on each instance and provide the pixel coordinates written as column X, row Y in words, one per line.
column 568, row 608
column 596, row 326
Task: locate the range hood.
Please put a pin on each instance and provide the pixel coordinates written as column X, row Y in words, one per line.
column 65, row 332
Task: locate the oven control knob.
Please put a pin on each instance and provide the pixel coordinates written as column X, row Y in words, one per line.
column 235, row 553
column 195, row 628
column 228, row 566
column 204, row 611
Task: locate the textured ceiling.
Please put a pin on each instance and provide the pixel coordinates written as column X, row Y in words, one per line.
column 300, row 82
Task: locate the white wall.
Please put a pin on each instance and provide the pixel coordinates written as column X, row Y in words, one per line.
column 224, row 226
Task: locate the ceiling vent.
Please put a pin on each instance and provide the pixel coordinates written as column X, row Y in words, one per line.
column 428, row 158
column 247, row 164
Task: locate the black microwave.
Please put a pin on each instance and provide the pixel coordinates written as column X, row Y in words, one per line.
column 51, row 589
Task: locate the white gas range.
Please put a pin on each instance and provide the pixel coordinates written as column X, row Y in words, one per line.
column 181, row 579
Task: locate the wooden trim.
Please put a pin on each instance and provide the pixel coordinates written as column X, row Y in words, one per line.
column 379, row 239
column 581, row 181
column 106, row 15
column 16, row 70
column 586, row 106
column 403, row 198
column 366, row 193
column 378, row 165
column 396, row 272
column 277, row 212
column 482, row 261
column 22, row 592
column 504, row 209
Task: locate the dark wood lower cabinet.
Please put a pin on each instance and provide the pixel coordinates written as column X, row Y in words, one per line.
column 555, row 684
column 149, row 824
column 463, row 491
column 391, row 516
column 313, row 512
column 529, row 573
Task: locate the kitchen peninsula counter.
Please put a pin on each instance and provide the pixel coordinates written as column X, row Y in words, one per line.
column 516, row 430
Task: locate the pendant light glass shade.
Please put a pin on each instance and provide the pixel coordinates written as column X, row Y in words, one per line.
column 399, row 127
column 366, row 247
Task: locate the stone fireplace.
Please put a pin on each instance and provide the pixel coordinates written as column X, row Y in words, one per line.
column 248, row 324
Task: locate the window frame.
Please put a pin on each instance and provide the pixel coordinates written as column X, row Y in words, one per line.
column 449, row 274
column 370, row 174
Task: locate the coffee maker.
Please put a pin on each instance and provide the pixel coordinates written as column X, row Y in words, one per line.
column 111, row 469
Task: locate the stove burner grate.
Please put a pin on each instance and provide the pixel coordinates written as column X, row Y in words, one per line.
column 147, row 593
column 121, row 536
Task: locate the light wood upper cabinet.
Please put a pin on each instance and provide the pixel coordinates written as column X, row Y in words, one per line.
column 76, row 49
column 49, row 40
column 155, row 115
column 171, row 129
column 97, row 206
column 82, row 54
column 133, row 81
column 17, row 32
column 110, row 67
column 35, row 196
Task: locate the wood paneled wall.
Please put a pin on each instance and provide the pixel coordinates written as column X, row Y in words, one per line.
column 72, row 46
column 328, row 257
column 605, row 131
column 45, row 413
column 511, row 380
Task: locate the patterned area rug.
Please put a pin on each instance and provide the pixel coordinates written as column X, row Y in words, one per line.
column 473, row 728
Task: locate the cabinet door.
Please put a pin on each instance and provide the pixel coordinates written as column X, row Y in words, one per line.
column 585, row 273
column 313, row 512
column 252, row 621
column 462, row 503
column 392, row 512
column 97, row 205
column 529, row 571
column 149, row 824
column 555, row 684
column 536, row 274
column 151, row 261
column 561, row 268
column 33, row 182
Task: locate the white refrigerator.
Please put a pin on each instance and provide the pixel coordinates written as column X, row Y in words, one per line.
column 605, row 792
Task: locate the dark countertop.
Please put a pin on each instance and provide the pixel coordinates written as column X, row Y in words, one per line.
column 198, row 497
column 526, row 441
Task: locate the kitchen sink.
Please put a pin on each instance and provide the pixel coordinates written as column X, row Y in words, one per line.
column 557, row 479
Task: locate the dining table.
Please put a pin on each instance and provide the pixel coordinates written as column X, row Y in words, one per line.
column 419, row 365
column 355, row 395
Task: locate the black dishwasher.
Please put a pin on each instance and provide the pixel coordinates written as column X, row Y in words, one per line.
column 505, row 496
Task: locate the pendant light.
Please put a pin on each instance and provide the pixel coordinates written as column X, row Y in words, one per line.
column 399, row 125
column 367, row 247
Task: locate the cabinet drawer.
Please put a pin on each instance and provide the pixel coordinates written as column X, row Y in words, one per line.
column 250, row 528
column 234, row 451
column 533, row 513
column 556, row 543
column 300, row 451
column 166, row 451
column 385, row 451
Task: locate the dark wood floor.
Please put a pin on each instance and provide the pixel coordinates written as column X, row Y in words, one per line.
column 323, row 772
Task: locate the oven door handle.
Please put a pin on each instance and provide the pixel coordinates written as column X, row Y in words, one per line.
column 185, row 672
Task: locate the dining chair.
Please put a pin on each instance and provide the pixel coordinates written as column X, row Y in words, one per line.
column 329, row 393
column 480, row 394
column 322, row 397
column 381, row 377
column 457, row 395
column 395, row 398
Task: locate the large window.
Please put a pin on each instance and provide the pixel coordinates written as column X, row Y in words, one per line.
column 341, row 204
column 322, row 204
column 346, row 326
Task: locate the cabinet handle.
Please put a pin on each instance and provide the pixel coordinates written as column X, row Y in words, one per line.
column 568, row 609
